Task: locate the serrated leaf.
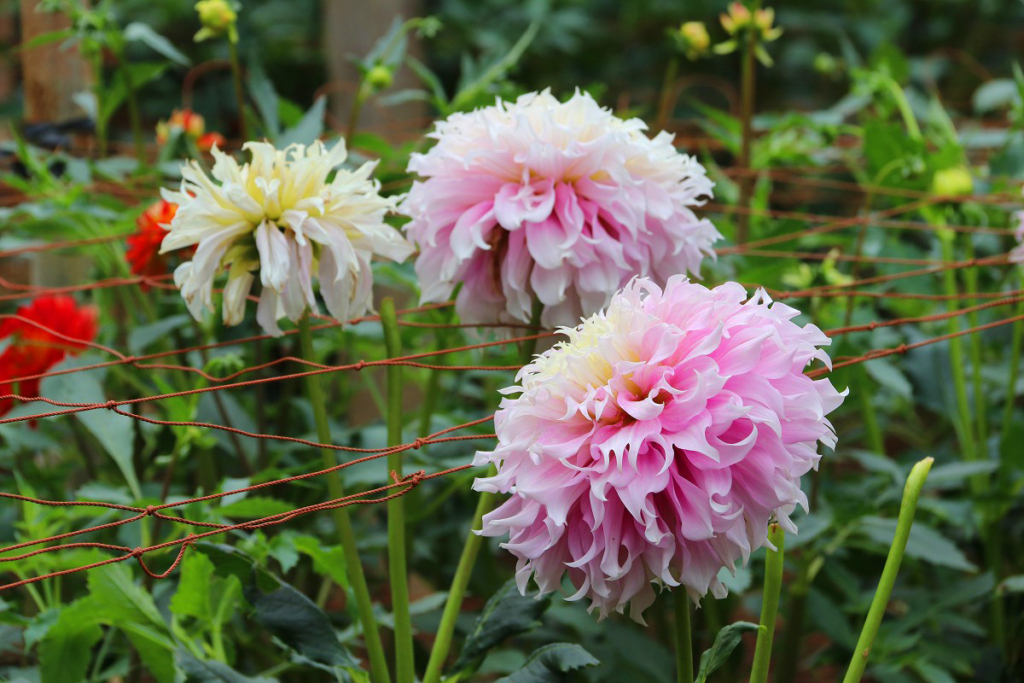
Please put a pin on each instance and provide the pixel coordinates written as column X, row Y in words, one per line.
column 301, row 625
column 725, row 642
column 123, row 600
column 925, row 543
column 192, row 599
column 200, row 671
column 156, row 651
column 507, row 613
column 66, row 650
column 546, row 663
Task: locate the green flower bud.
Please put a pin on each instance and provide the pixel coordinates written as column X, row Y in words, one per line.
column 379, row 77
column 952, row 182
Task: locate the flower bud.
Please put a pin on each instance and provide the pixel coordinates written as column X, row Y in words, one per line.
column 952, row 182
column 693, row 39
column 216, row 15
column 379, row 77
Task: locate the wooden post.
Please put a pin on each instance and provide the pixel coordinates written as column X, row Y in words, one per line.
column 52, row 74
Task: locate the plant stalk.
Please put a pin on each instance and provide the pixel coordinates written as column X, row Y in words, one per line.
column 236, row 78
column 769, row 604
column 405, row 666
column 911, row 491
column 364, row 605
column 747, row 91
column 684, row 636
column 956, row 355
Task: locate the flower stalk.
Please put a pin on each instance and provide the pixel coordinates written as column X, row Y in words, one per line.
column 769, row 605
column 397, row 567
column 346, row 535
column 915, row 482
column 684, row 637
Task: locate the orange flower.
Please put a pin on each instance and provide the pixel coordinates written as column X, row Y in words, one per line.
column 206, row 142
column 185, row 120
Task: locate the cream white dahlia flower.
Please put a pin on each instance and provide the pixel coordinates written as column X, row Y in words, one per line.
column 279, row 219
column 564, row 202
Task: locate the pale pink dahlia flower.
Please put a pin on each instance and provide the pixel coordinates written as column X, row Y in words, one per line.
column 654, row 445
column 562, row 201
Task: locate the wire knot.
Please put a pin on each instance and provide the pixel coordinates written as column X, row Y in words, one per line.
column 110, row 405
column 360, row 365
column 902, row 348
column 150, row 510
column 418, row 444
column 138, row 553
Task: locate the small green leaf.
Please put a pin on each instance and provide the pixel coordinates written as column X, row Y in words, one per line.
column 725, row 642
column 1013, row 584
column 506, row 614
column 307, row 130
column 142, row 336
column 200, row 671
column 144, row 34
column 546, row 663
column 192, row 599
column 266, row 99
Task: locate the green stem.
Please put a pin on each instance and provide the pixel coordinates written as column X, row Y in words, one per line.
column 667, row 86
column 876, row 441
column 905, row 111
column 452, row 607
column 892, row 566
column 747, row 90
column 684, row 636
column 404, row 658
column 980, row 404
column 1011, row 382
column 362, row 93
column 101, row 120
column 956, row 356
column 236, row 78
column 364, row 605
column 769, row 605
column 433, row 384
column 133, row 113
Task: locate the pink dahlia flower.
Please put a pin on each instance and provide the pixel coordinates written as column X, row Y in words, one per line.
column 564, row 202
column 654, row 444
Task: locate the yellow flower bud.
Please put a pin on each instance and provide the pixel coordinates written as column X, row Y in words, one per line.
column 952, row 182
column 695, row 39
column 217, row 16
column 379, row 77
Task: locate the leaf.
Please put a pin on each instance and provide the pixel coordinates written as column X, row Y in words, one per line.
column 47, row 38
column 307, row 130
column 266, row 99
column 328, row 561
column 155, row 650
column 1013, row 584
column 725, row 642
column 889, row 376
column 925, row 543
column 123, row 600
column 113, row 431
column 995, row 94
column 142, row 336
column 506, row 614
column 958, row 473
column 144, row 34
column 199, row 671
column 544, row 665
column 116, row 92
column 192, row 599
column 255, row 507
column 66, row 650
column 495, row 71
column 301, row 625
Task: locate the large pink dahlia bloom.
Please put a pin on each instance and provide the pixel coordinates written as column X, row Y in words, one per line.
column 655, row 443
column 562, row 201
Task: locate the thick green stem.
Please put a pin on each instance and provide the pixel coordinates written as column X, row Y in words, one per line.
column 236, row 78
column 892, row 567
column 452, row 607
column 347, row 537
column 405, row 666
column 956, row 356
column 446, row 629
column 747, row 90
column 769, row 604
column 684, row 637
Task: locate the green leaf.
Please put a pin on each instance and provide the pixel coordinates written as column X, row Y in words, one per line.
column 66, row 650
column 142, row 336
column 156, row 651
column 546, row 663
column 255, row 507
column 47, row 38
column 144, row 34
column 192, row 599
column 327, row 561
column 725, row 642
column 309, row 129
column 506, row 614
column 199, row 671
column 266, row 99
column 116, row 91
column 113, row 431
column 499, row 68
column 995, row 94
column 123, row 600
column 1013, row 584
column 925, row 543
column 301, row 625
